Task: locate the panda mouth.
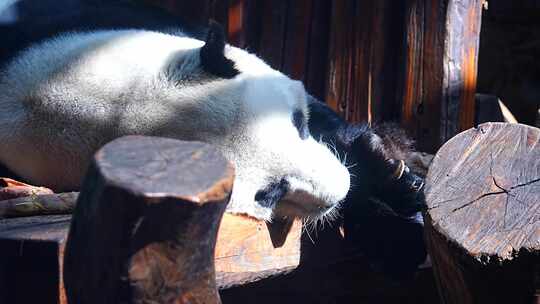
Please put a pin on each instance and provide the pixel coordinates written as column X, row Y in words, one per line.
column 276, row 196
column 288, row 207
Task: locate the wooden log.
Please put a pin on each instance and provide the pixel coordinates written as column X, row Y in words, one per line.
column 483, row 216
column 145, row 225
column 42, row 204
column 11, row 189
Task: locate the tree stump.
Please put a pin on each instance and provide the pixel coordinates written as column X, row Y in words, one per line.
column 483, row 216
column 145, row 225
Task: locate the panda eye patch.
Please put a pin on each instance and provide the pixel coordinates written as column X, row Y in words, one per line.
column 300, row 123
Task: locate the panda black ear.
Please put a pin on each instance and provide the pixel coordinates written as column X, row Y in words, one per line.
column 212, row 54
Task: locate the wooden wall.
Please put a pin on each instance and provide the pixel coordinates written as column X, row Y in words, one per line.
column 370, row 60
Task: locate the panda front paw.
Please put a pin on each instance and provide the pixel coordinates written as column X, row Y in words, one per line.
column 403, row 190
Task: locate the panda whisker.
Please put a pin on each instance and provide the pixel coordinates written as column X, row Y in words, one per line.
column 344, row 162
column 310, row 238
column 308, row 225
column 335, row 151
column 352, row 165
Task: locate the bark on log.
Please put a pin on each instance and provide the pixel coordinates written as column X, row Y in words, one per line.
column 146, row 222
column 483, row 216
column 10, row 189
column 61, row 203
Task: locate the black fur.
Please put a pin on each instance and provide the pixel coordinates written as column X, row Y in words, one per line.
column 300, row 123
column 272, row 194
column 213, row 59
column 381, row 213
column 374, row 156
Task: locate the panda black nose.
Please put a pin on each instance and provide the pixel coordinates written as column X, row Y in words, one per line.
column 272, row 193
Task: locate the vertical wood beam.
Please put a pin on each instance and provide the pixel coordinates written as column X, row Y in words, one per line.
column 441, row 54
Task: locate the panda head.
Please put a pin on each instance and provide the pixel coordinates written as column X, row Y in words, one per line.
column 258, row 117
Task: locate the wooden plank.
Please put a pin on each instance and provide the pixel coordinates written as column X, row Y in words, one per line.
column 273, row 32
column 483, row 217
column 431, row 125
column 442, row 41
column 365, row 46
column 192, row 12
column 317, row 51
column 32, row 249
column 248, row 250
column 236, row 29
column 412, row 82
column 31, row 259
column 348, row 84
column 386, row 47
column 463, row 19
column 422, row 87
column 297, row 38
column 360, row 88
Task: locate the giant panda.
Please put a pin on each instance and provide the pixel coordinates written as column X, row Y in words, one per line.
column 69, row 85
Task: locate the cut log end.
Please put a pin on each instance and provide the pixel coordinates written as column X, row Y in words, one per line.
column 159, row 167
column 483, row 189
column 483, row 216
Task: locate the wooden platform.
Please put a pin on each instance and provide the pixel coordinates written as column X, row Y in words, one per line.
column 32, row 248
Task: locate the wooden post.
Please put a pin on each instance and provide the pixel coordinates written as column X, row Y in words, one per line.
column 146, row 222
column 483, row 216
column 441, row 55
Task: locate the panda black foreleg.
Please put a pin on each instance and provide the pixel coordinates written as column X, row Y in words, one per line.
column 388, row 179
column 374, row 160
column 381, row 217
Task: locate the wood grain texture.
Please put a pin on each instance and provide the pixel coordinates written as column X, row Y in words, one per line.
column 297, row 38
column 31, row 259
column 41, row 204
column 365, row 48
column 483, row 217
column 273, row 29
column 247, row 250
column 440, row 68
column 32, row 253
column 146, row 221
column 463, row 19
column 348, row 87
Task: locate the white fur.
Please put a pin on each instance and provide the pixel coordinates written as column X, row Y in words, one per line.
column 64, row 98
